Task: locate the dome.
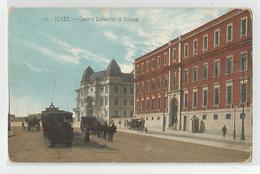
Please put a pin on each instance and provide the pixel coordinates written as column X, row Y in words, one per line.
column 113, row 68
column 87, row 73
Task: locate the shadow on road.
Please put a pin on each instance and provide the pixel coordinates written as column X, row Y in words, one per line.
column 95, row 142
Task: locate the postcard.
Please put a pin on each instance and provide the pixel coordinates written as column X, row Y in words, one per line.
column 130, row 85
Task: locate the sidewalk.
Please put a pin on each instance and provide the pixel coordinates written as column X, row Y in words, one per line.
column 197, row 138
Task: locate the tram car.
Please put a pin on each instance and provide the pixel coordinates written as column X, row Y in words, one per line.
column 57, row 126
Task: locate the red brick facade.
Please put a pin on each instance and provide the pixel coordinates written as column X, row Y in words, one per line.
column 218, row 59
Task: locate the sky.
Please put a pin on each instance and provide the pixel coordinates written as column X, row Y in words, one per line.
column 47, row 56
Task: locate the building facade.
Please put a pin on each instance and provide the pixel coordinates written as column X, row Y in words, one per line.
column 201, row 80
column 107, row 95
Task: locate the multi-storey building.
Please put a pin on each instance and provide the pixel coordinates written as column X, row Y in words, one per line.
column 107, row 94
column 201, row 80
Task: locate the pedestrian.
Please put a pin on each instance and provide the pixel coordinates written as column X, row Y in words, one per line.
column 23, row 126
column 224, row 130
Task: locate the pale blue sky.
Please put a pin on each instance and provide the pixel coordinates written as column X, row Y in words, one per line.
column 43, row 51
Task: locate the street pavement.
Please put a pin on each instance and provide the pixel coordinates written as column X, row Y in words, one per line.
column 127, row 147
column 197, row 138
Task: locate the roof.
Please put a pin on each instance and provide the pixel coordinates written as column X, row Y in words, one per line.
column 87, row 73
column 113, row 68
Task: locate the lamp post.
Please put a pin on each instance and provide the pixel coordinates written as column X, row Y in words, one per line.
column 242, row 136
column 234, row 129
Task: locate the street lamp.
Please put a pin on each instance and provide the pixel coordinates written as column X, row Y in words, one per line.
column 242, row 136
column 234, row 129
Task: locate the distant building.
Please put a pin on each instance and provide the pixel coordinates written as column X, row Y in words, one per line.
column 201, row 80
column 107, row 94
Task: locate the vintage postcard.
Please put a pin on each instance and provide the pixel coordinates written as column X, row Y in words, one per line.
column 139, row 85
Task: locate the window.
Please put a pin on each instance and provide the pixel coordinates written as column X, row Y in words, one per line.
column 165, row 103
column 137, row 88
column 159, row 104
column 152, row 118
column 116, row 101
column 147, row 86
column 131, row 102
column 229, row 68
column 185, row 75
column 158, row 118
column 125, row 102
column 142, row 68
column 142, row 106
column 166, row 81
column 106, row 100
column 153, row 85
column 154, row 63
column 204, row 117
column 243, row 26
column 147, row 104
column 186, row 47
column 106, row 89
column 116, row 89
column 216, row 38
column 174, row 78
column 131, row 91
column 165, row 59
column 101, row 102
column 159, row 61
column 243, row 61
column 142, row 87
column 137, row 70
column 147, row 66
column 229, row 32
column 195, row 99
column 228, row 116
column 185, row 100
column 146, row 118
column 195, row 73
column 217, row 68
column 153, row 104
column 125, row 90
column 174, row 56
column 195, row 46
column 205, row 42
column 229, row 95
column 205, row 97
column 205, row 71
column 243, row 92
column 159, row 85
column 215, row 116
column 216, row 96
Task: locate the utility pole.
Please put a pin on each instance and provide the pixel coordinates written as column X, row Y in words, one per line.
column 242, row 136
column 234, row 130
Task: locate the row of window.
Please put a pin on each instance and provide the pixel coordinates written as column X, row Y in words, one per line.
column 125, row 90
column 151, row 104
column 216, row 38
column 159, row 62
column 216, row 96
column 150, row 86
column 216, row 116
column 115, row 113
column 229, row 68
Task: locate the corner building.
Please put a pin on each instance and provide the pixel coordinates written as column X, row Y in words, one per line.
column 201, row 80
column 107, row 95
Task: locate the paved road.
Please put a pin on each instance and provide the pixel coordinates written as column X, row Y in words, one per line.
column 30, row 147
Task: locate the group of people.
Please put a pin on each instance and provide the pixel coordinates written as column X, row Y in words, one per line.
column 100, row 130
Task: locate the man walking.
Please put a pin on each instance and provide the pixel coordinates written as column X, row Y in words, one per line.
column 224, row 131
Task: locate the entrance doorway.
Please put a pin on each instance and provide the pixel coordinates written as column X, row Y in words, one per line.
column 195, row 125
column 174, row 111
